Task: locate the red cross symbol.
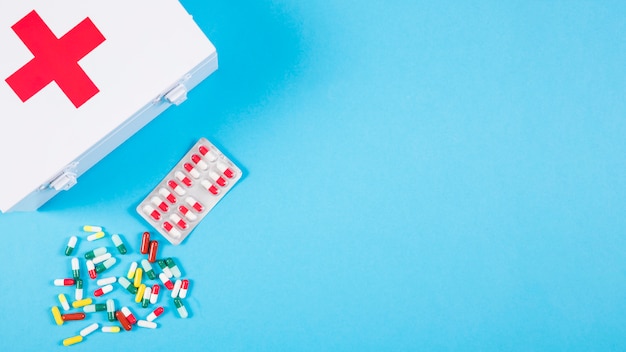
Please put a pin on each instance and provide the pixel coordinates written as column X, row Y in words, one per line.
column 56, row 59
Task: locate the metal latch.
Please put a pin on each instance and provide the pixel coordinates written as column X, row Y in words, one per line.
column 177, row 95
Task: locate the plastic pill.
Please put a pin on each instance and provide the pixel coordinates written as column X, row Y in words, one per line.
column 167, row 195
column 101, row 258
column 63, row 301
column 186, row 213
column 132, row 270
column 89, row 329
column 173, row 267
column 223, row 168
column 129, row 315
column 217, row 178
column 178, row 221
column 160, row 203
column 111, row 329
column 140, row 291
column 71, row 244
column 153, row 213
column 57, row 315
column 178, row 189
column 146, row 297
column 210, row 187
column 103, row 290
column 72, row 340
column 122, row 319
column 171, row 230
column 75, row 268
column 111, row 309
column 127, row 285
column 64, row 282
column 105, row 265
column 152, row 253
column 92, row 308
column 145, row 243
column 96, row 252
column 91, row 269
column 176, row 288
column 168, row 284
column 164, row 268
column 118, row 243
column 73, row 316
column 198, row 161
column 147, row 268
column 154, row 295
column 95, row 236
column 183, row 289
column 155, row 313
column 191, row 170
column 207, row 153
column 182, row 178
column 82, row 303
column 138, row 276
column 147, row 324
column 194, row 204
column 106, row 281
column 91, row 228
column 180, row 308
column 78, row 291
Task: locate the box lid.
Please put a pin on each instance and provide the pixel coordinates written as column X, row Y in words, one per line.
column 73, row 73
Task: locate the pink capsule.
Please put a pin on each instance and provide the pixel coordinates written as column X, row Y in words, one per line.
column 185, row 211
column 178, row 189
column 198, row 161
column 207, row 153
column 182, row 178
column 194, row 204
column 191, row 170
column 210, row 187
column 153, row 213
column 225, row 170
column 171, row 230
column 217, row 178
column 167, row 195
column 159, row 203
column 178, row 221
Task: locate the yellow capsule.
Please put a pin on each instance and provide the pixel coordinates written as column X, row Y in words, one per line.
column 57, row 315
column 110, row 329
column 140, row 291
column 72, row 340
column 90, row 228
column 95, row 236
column 132, row 270
column 81, row 303
column 63, row 300
column 138, row 274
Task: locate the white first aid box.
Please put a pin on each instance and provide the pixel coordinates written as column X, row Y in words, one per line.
column 78, row 78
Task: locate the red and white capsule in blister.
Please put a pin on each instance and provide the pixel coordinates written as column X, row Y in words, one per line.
column 198, row 161
column 191, row 170
column 187, row 213
column 194, row 204
column 217, row 178
column 159, row 203
column 178, row 189
column 153, row 213
column 182, row 178
column 210, row 187
column 207, row 153
column 167, row 195
column 171, row 230
column 178, row 221
column 225, row 169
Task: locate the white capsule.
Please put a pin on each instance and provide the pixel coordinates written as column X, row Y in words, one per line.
column 131, row 271
column 146, row 324
column 106, row 281
column 88, row 330
column 101, row 258
column 147, row 292
column 176, row 289
column 75, row 265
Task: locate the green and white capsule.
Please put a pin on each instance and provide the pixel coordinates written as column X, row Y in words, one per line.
column 119, row 244
column 173, row 267
column 146, row 297
column 111, row 309
column 78, row 292
column 101, row 258
column 92, row 308
column 75, row 268
column 127, row 285
column 180, row 308
column 106, row 265
column 147, row 268
column 96, row 252
column 71, row 244
column 164, row 268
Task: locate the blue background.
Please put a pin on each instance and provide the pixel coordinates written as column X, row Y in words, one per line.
column 419, row 176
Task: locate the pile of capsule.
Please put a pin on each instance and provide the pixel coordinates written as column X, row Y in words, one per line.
column 97, row 262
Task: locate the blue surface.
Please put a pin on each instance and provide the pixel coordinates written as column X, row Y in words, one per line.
column 420, row 176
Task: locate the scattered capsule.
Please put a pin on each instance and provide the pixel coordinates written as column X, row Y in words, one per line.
column 140, row 291
column 146, row 297
column 147, row 268
column 64, row 282
column 138, row 276
column 198, row 161
column 96, row 252
column 111, row 309
column 217, row 178
column 105, row 265
column 56, row 314
column 178, row 221
column 194, row 204
column 151, row 212
column 72, row 340
column 118, row 243
column 103, row 290
column 225, row 170
column 207, row 153
column 173, row 267
column 154, row 296
column 122, row 319
column 78, row 291
column 147, row 324
column 176, row 288
column 63, row 301
column 92, row 308
column 95, row 236
column 106, row 281
column 82, row 303
column 167, row 195
column 155, row 313
column 91, row 228
column 75, row 268
column 180, row 308
column 91, row 269
column 127, row 285
column 73, row 316
column 71, row 244
column 184, row 288
column 182, row 178
column 191, row 170
column 178, row 189
column 152, row 252
column 89, row 329
column 129, row 315
column 132, row 270
column 210, row 187
column 145, row 243
column 101, row 258
column 111, row 329
column 165, row 269
column 188, row 214
column 160, row 203
column 168, row 284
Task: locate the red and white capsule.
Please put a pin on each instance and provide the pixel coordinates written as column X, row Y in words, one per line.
column 171, row 230
column 182, row 178
column 151, row 212
column 178, row 189
column 210, row 187
column 155, row 313
column 191, row 170
column 91, row 269
column 168, row 284
column 217, row 178
column 64, row 282
column 198, row 161
column 186, row 213
column 184, row 287
column 167, row 195
column 225, row 170
column 178, row 221
column 103, row 290
column 154, row 296
column 159, row 203
column 194, row 204
column 207, row 153
column 129, row 315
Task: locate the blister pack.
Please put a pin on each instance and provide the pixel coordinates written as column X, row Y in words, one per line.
column 189, row 191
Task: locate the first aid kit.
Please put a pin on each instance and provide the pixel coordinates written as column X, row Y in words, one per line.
column 79, row 78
